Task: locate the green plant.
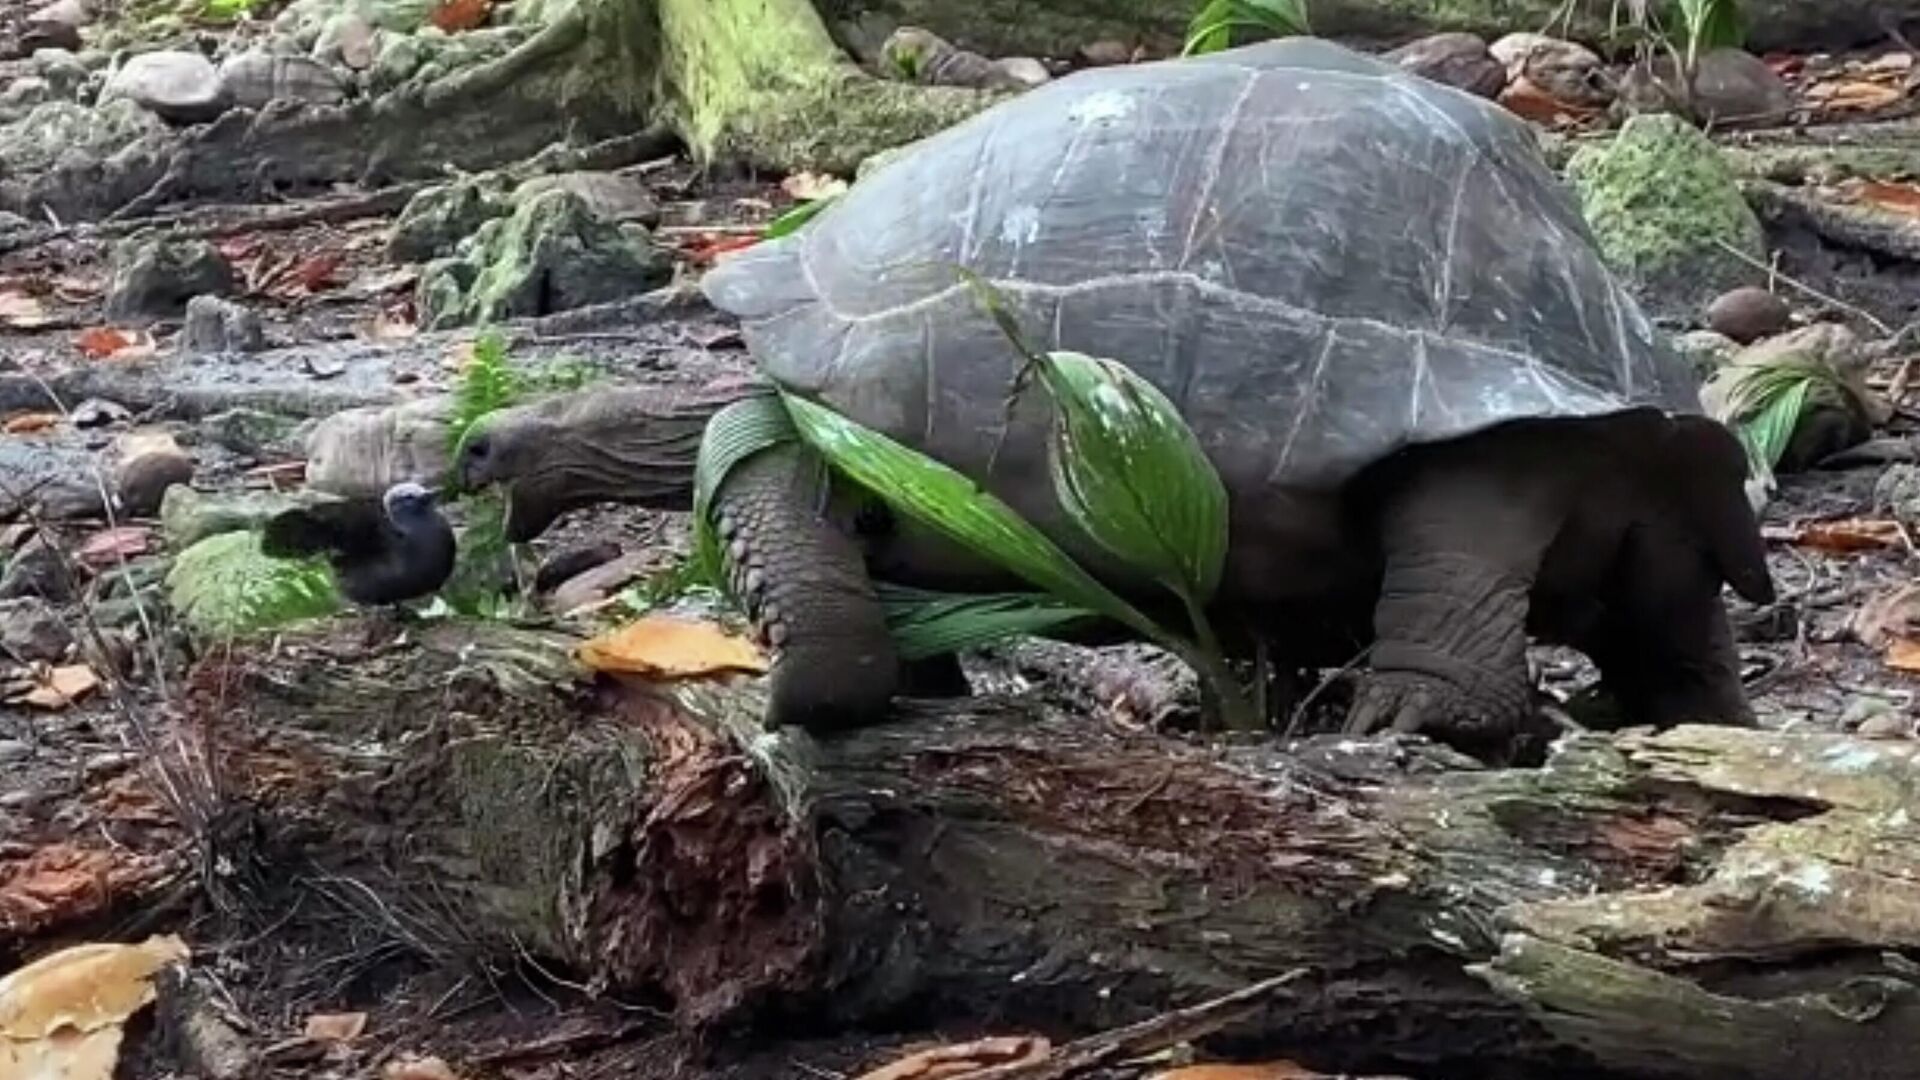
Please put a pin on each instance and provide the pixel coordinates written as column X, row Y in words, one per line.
column 487, row 384
column 1697, row 26
column 227, row 10
column 795, row 216
column 1766, row 401
column 1213, row 27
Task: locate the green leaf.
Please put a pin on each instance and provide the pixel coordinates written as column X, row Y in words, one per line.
column 1132, row 475
column 1710, row 24
column 926, row 623
column 1211, row 29
column 488, row 384
column 1768, row 431
column 946, row 500
column 796, row 216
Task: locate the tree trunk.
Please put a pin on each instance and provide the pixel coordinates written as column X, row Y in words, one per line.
column 1058, row 27
column 1702, row 903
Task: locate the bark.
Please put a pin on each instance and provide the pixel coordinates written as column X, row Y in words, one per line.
column 1058, row 27
column 1702, row 903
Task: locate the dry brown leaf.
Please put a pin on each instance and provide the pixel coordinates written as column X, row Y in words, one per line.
column 87, row 987
column 1851, row 534
column 959, row 1059
column 22, row 312
column 23, row 423
column 1903, row 654
column 411, row 1067
column 669, row 647
column 1887, row 616
column 109, row 546
column 386, row 327
column 1266, row 1070
column 1853, row 95
column 57, row 688
column 104, row 342
column 336, row 1027
column 453, row 16
column 812, row 186
column 1898, row 198
column 1529, row 100
column 65, row 1055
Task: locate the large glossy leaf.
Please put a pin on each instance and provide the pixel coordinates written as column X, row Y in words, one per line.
column 943, row 498
column 1768, row 431
column 1131, row 473
column 1212, row 27
column 926, row 623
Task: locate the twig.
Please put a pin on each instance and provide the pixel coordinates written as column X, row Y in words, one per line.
column 1146, row 1037
column 1804, row 287
column 1300, row 711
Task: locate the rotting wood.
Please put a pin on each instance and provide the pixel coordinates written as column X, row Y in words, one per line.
column 1644, row 905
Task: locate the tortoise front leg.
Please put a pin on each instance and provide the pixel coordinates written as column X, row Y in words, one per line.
column 804, row 580
column 1462, row 543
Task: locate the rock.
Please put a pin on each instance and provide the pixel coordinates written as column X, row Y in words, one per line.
column 1105, row 53
column 70, row 499
column 1729, row 86
column 216, row 327
column 251, row 432
column 73, row 136
column 56, row 25
column 188, row 516
column 1024, row 71
column 571, row 562
column 149, row 462
column 30, row 630
column 24, row 93
column 360, row 453
column 916, row 55
column 36, row 570
column 609, row 196
column 1457, row 60
column 178, row 86
column 98, row 412
column 1898, row 492
column 433, row 222
column 157, row 276
column 551, row 255
column 66, row 76
column 1748, row 313
column 1565, row 70
column 1662, row 202
column 12, row 750
column 253, row 79
column 1705, row 350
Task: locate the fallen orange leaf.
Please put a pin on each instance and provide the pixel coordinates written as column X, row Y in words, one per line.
column 109, row 546
column 1900, row 198
column 1853, row 95
column 453, row 16
column 102, row 342
column 1527, row 99
column 316, row 274
column 1853, row 534
column 86, row 987
column 962, row 1059
column 23, row 423
column 669, row 647
column 57, row 688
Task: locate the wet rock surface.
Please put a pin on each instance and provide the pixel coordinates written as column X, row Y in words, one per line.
column 178, row 86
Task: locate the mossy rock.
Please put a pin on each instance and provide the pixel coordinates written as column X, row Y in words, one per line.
column 433, row 222
column 1665, row 207
column 225, row 586
column 551, row 254
column 58, row 130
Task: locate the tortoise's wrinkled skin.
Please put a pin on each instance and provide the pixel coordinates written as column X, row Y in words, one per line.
column 1442, row 424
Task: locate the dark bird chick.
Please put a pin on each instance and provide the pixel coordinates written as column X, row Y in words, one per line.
column 397, row 549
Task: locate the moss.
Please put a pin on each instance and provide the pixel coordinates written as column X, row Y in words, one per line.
column 225, row 586
column 1662, row 202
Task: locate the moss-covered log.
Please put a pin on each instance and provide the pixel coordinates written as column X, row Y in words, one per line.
column 1058, row 27
column 1643, row 906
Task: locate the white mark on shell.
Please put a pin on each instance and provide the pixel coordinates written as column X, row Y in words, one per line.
column 1104, row 107
column 1813, row 880
column 1020, row 226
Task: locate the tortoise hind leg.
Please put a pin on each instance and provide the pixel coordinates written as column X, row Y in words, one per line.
column 804, row 580
column 1462, row 533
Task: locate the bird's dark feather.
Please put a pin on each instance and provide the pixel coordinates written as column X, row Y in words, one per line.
column 375, row 560
column 354, row 528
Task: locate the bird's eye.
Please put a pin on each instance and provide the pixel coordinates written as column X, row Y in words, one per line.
column 480, row 448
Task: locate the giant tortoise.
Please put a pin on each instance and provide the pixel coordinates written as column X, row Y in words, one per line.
column 1441, row 423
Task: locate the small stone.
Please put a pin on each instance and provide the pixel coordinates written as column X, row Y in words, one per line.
column 178, row 86
column 99, row 412
column 36, row 570
column 1105, row 53
column 1732, row 86
column 1566, row 71
column 216, row 327
column 56, row 25
column 156, row 276
column 1458, row 60
column 1024, row 70
column 149, row 463
column 610, row 196
column 253, row 79
column 12, row 750
column 30, row 630
column 71, row 499
column 1748, row 313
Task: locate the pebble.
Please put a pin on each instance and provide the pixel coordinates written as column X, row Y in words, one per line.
column 1458, row 60
column 1748, row 313
column 176, row 85
column 1105, row 53
column 31, row 630
column 149, row 463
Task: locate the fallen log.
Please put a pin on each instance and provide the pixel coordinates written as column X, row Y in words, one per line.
column 1704, row 902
